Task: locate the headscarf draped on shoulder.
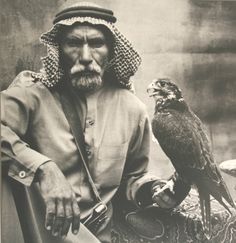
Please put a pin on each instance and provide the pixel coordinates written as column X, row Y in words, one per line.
column 124, row 61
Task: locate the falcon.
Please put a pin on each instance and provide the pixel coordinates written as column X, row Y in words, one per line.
column 183, row 138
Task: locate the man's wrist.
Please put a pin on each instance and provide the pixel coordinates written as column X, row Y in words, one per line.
column 44, row 169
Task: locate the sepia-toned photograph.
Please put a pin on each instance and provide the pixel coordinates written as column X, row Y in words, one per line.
column 118, row 121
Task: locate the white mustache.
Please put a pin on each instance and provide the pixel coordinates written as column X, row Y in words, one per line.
column 80, row 68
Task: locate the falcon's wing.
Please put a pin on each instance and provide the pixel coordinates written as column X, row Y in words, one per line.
column 183, row 140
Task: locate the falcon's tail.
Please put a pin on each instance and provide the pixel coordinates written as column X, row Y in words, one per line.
column 220, row 192
column 205, row 212
column 215, row 185
column 225, row 194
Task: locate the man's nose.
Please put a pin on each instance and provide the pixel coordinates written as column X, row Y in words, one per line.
column 85, row 55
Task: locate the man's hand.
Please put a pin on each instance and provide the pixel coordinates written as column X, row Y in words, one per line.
column 62, row 210
column 163, row 194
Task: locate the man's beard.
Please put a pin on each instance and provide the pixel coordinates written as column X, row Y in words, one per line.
column 87, row 81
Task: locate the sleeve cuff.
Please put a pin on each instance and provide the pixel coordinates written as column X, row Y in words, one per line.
column 23, row 167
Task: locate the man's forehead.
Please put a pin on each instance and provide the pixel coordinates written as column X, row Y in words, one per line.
column 79, row 29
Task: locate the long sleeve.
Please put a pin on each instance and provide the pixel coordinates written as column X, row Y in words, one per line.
column 16, row 114
column 139, row 181
column 135, row 173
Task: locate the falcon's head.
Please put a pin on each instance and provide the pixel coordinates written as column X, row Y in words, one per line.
column 164, row 90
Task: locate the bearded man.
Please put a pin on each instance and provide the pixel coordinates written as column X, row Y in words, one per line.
column 88, row 65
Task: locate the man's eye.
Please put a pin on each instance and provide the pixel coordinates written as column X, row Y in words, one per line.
column 74, row 43
column 96, row 43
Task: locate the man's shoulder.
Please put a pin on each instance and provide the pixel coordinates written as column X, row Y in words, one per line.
column 26, row 79
column 27, row 83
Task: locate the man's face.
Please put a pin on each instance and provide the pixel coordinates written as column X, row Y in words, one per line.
column 85, row 53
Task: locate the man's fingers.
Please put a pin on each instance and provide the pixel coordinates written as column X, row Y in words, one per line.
column 163, row 199
column 66, row 227
column 160, row 202
column 62, row 210
column 76, row 217
column 68, row 218
column 167, row 198
column 50, row 214
column 59, row 218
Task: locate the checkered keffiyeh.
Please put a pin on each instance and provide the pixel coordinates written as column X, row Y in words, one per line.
column 124, row 63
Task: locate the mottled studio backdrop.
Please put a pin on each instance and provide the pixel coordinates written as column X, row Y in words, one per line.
column 192, row 42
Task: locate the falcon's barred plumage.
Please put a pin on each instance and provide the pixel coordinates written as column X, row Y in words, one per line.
column 182, row 137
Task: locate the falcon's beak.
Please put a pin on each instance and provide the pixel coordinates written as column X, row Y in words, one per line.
column 152, row 89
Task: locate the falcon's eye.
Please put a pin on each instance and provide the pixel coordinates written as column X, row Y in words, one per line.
column 162, row 84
